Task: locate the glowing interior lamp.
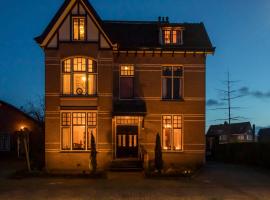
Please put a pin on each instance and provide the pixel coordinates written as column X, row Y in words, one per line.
column 83, row 78
column 22, row 127
column 168, row 126
column 126, row 68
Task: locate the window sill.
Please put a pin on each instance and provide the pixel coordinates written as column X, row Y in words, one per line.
column 75, row 151
column 173, row 151
column 173, row 100
column 79, row 96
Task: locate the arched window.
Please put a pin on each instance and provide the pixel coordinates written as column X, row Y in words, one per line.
column 79, row 76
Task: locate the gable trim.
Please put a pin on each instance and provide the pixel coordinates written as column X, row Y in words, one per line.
column 97, row 24
column 58, row 23
column 63, row 16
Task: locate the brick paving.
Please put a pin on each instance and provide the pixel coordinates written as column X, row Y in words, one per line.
column 214, row 182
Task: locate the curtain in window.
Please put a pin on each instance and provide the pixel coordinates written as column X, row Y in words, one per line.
column 177, row 139
column 92, row 84
column 166, row 138
column 66, row 84
column 176, row 88
column 166, row 88
column 66, row 138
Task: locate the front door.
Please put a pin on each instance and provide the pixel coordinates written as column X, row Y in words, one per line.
column 127, row 142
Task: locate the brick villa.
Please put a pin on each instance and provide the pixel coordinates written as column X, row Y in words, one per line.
column 124, row 82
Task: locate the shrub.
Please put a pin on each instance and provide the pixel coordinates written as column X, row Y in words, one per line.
column 158, row 154
column 93, row 154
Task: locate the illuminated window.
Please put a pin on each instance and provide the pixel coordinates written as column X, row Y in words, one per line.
column 79, row 76
column 172, row 36
column 127, row 120
column 78, row 28
column 167, row 36
column 126, row 81
column 172, row 80
column 172, row 132
column 77, row 128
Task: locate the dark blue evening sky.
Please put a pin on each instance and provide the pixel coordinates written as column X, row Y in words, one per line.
column 239, row 29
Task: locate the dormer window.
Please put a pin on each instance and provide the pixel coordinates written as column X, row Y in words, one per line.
column 78, row 28
column 172, row 36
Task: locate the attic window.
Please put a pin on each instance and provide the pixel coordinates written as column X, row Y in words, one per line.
column 171, row 35
column 78, row 28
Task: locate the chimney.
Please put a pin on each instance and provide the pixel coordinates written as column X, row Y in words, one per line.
column 167, row 19
column 159, row 19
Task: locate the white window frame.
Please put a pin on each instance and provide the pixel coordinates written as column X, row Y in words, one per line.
column 71, row 73
column 182, row 133
column 79, row 33
column 182, row 78
column 171, row 29
column 71, row 129
column 128, row 75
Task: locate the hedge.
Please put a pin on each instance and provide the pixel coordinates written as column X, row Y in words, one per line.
column 243, row 153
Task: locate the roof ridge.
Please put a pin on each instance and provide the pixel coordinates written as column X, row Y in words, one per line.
column 130, row 21
column 18, row 109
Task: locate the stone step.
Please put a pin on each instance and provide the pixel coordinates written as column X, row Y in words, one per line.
column 126, row 165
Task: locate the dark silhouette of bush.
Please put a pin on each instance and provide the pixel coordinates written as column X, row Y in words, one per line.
column 158, row 154
column 244, row 153
column 93, row 154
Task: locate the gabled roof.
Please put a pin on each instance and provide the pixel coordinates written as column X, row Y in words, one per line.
column 138, row 35
column 3, row 103
column 226, row 129
column 60, row 12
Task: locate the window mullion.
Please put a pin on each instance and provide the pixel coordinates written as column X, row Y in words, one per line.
column 172, row 89
column 71, row 75
column 86, row 81
column 71, row 131
column 171, row 142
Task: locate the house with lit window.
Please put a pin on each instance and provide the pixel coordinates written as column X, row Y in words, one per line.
column 123, row 82
column 229, row 133
column 12, row 121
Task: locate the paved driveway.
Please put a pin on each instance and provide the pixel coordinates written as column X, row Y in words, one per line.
column 214, row 182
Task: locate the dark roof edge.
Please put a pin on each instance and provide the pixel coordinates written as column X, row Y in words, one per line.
column 19, row 110
column 41, row 37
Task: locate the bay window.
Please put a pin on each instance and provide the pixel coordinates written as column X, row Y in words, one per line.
column 172, row 132
column 76, row 130
column 79, row 76
column 172, row 82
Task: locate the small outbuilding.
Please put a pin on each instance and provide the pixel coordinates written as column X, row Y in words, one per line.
column 12, row 122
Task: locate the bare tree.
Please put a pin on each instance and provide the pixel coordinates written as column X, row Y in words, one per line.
column 35, row 108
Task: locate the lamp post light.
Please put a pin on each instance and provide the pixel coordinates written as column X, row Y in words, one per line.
column 23, row 136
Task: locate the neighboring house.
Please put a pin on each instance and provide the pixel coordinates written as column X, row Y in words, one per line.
column 229, row 133
column 123, row 82
column 12, row 120
column 264, row 135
